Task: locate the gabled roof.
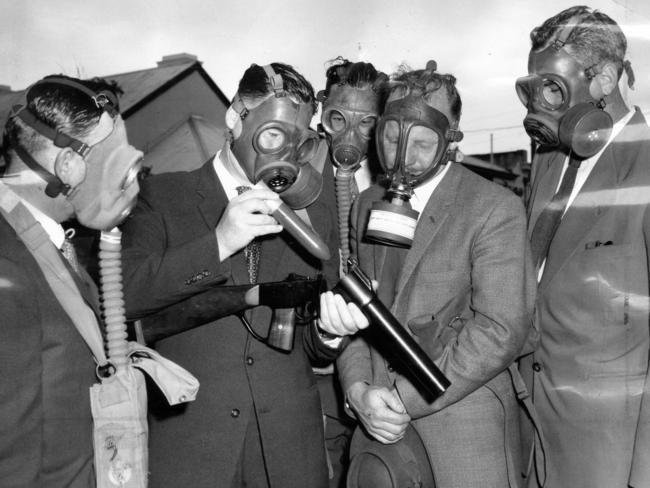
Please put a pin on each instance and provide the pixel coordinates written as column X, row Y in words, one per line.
column 185, row 147
column 144, row 85
column 139, row 87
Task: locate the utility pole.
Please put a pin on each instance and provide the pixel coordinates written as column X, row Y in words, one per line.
column 491, row 148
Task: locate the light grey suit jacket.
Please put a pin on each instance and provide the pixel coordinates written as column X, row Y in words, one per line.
column 466, row 292
column 589, row 372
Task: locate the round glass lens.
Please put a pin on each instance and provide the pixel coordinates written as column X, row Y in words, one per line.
column 271, row 139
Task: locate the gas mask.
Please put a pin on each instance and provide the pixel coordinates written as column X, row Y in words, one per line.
column 109, row 192
column 349, row 118
column 275, row 144
column 413, row 145
column 110, row 187
column 561, row 110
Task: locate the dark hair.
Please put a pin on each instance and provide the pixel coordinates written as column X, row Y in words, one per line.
column 358, row 75
column 255, row 84
column 594, row 38
column 62, row 107
column 426, row 82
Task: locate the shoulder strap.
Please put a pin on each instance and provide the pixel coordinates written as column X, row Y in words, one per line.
column 57, row 275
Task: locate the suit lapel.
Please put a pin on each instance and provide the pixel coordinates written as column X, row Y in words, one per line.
column 433, row 217
column 212, row 197
column 546, row 183
column 212, row 201
column 599, row 193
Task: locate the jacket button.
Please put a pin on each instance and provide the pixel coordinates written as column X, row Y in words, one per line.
column 249, row 360
column 234, row 413
column 537, row 367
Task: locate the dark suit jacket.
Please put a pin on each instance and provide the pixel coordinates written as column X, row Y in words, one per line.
column 593, row 312
column 170, row 252
column 46, row 370
column 466, row 292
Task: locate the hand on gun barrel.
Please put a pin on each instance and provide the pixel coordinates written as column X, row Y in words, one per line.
column 357, row 288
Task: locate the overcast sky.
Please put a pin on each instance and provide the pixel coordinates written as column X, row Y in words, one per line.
column 483, row 42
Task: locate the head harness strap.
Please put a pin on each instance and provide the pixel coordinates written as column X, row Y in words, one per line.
column 60, row 139
column 104, row 100
column 276, row 81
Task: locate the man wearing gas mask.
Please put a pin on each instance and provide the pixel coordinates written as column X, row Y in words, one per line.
column 589, row 228
column 352, row 101
column 193, row 239
column 448, row 250
column 67, row 157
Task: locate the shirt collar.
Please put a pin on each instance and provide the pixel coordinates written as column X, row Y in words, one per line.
column 53, row 229
column 229, row 172
column 422, row 193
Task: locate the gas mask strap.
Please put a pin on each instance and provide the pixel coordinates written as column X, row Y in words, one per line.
column 54, row 184
column 563, row 36
column 276, row 81
column 104, row 99
column 60, row 139
column 239, row 107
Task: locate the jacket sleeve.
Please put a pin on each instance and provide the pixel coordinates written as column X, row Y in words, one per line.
column 501, row 303
column 156, row 274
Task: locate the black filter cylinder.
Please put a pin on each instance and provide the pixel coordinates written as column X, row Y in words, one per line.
column 355, row 287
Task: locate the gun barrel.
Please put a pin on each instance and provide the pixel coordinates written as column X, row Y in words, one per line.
column 355, row 287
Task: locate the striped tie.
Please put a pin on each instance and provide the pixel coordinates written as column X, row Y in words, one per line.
column 252, row 251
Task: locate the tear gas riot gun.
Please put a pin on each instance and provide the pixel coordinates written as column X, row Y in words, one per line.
column 356, row 287
column 294, row 301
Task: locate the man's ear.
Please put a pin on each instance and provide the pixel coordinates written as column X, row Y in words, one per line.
column 605, row 82
column 69, row 167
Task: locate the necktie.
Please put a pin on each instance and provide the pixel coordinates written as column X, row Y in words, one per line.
column 69, row 253
column 252, row 250
column 354, row 189
column 549, row 219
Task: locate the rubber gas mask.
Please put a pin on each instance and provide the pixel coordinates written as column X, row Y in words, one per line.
column 273, row 144
column 413, row 142
column 109, row 189
column 561, row 110
column 349, row 118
